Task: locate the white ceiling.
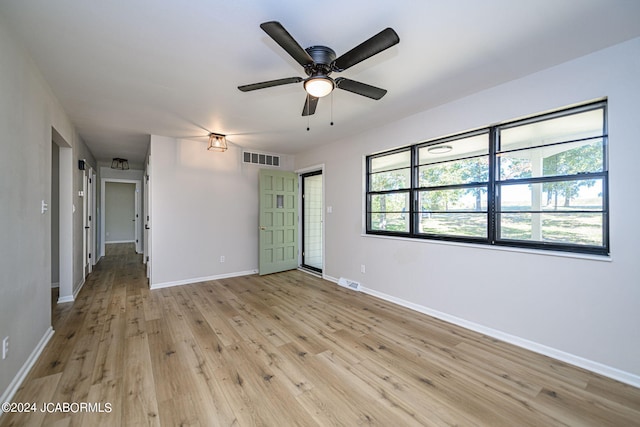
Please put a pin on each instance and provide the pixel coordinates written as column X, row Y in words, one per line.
column 123, row 70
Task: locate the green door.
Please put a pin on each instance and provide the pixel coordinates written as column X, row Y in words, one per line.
column 278, row 243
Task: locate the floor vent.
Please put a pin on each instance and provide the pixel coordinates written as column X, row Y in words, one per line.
column 349, row 284
column 260, row 159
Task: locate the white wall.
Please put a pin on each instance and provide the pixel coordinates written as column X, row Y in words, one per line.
column 204, row 205
column 120, row 212
column 579, row 307
column 28, row 111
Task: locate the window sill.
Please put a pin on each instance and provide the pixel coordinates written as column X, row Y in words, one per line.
column 602, row 258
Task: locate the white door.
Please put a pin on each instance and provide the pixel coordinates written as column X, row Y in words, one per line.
column 87, row 215
column 147, row 222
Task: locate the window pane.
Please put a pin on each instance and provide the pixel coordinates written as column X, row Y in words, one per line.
column 395, row 202
column 390, row 161
column 398, row 222
column 566, row 159
column 392, row 180
column 477, row 145
column 587, row 124
column 464, row 199
column 454, row 172
column 469, row 224
column 578, row 195
column 557, row 227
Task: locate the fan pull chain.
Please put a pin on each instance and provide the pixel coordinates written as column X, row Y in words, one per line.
column 308, row 109
column 331, row 108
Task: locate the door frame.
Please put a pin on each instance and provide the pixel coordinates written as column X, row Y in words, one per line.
column 65, row 223
column 136, row 207
column 320, row 169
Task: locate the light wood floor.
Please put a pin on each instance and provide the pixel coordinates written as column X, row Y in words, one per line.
column 291, row 349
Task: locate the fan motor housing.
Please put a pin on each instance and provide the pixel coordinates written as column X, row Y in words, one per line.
column 322, row 57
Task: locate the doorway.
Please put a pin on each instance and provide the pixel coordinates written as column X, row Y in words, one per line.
column 312, row 221
column 61, row 230
column 54, row 209
column 127, row 217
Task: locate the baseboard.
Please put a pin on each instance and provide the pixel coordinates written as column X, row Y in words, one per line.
column 55, row 285
column 113, row 242
column 24, row 370
column 201, row 279
column 330, row 278
column 572, row 359
column 78, row 289
column 590, row 365
column 71, row 298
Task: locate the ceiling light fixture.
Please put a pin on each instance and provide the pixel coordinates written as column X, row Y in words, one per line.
column 118, row 163
column 217, row 142
column 440, row 149
column 319, row 85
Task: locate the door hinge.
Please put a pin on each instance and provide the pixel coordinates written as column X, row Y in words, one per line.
column 147, row 259
column 89, row 255
column 136, row 240
column 89, row 217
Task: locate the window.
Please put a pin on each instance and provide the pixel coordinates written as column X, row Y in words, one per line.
column 537, row 183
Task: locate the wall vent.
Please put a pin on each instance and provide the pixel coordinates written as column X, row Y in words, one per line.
column 353, row 285
column 260, row 158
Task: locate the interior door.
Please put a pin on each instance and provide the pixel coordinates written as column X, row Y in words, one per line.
column 147, row 222
column 87, row 221
column 278, row 241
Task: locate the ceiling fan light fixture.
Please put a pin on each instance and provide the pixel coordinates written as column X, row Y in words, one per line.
column 119, row 163
column 439, row 149
column 217, row 142
column 319, row 86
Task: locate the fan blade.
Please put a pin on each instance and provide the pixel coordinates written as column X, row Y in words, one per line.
column 360, row 88
column 277, row 32
column 310, row 105
column 376, row 44
column 270, row 83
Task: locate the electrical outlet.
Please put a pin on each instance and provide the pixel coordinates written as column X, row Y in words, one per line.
column 362, row 269
column 222, row 258
column 5, row 348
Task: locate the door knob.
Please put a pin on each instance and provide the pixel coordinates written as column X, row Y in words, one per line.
column 262, row 227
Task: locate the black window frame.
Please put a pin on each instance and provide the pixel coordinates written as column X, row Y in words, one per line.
column 494, row 184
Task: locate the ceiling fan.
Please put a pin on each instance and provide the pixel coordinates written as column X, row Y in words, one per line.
column 320, row 61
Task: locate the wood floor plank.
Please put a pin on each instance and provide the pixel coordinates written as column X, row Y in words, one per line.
column 140, row 407
column 291, row 349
